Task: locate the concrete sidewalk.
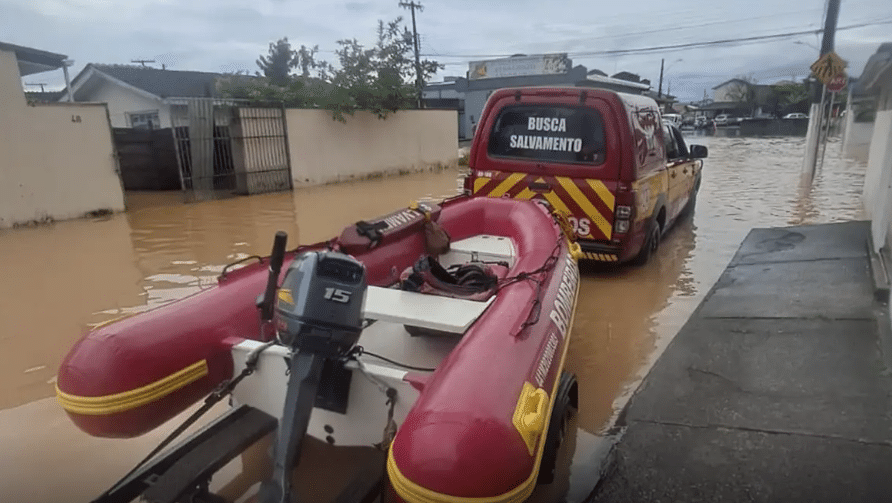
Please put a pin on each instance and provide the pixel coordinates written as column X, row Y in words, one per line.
column 774, row 390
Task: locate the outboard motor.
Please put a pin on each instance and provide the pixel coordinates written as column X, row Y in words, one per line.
column 320, row 303
column 319, row 309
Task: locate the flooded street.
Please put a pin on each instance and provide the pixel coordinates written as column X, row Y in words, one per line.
column 60, row 279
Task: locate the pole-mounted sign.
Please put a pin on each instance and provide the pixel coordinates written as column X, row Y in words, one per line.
column 828, row 66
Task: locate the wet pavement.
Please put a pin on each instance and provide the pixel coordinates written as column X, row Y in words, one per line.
column 774, row 390
column 60, row 279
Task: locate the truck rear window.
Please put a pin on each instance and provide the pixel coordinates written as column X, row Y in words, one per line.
column 548, row 133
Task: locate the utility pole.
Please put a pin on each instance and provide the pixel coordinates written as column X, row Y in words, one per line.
column 419, row 84
column 143, row 61
column 660, row 89
column 816, row 115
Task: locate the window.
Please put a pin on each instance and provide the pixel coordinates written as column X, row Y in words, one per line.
column 675, row 147
column 548, row 133
column 144, row 120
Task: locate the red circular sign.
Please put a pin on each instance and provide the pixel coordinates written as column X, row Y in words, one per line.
column 837, row 83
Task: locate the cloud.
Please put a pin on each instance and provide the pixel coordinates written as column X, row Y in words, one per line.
column 209, row 35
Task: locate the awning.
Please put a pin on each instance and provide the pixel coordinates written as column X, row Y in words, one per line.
column 33, row 60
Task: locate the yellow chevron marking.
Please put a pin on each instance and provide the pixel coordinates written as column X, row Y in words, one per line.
column 506, row 185
column 586, row 205
column 603, row 192
column 556, row 202
column 525, row 194
column 479, row 183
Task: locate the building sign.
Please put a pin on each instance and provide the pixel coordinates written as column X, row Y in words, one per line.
column 544, row 64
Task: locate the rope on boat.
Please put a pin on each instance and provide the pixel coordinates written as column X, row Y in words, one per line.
column 390, row 426
column 359, row 351
column 237, row 262
column 536, row 308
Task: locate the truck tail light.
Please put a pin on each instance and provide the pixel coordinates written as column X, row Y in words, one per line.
column 622, row 214
column 466, row 183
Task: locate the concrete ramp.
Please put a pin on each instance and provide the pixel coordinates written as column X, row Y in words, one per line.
column 775, row 389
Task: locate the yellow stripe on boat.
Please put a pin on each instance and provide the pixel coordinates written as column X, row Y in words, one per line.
column 124, row 401
column 414, row 493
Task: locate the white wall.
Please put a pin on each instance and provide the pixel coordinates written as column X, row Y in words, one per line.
column 121, row 100
column 878, row 179
column 324, row 150
column 57, row 161
column 729, row 92
column 856, row 143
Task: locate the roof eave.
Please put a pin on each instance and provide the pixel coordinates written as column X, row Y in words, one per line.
column 92, row 73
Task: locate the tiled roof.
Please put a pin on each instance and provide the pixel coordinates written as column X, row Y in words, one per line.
column 164, row 83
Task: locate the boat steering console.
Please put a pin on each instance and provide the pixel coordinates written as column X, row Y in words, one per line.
column 319, row 317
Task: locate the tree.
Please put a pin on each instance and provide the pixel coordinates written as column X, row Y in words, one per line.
column 305, row 59
column 379, row 79
column 785, row 96
column 278, row 64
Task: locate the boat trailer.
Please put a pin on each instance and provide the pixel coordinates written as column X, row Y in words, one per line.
column 183, row 474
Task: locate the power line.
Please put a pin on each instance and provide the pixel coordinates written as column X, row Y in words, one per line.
column 690, row 45
column 687, row 27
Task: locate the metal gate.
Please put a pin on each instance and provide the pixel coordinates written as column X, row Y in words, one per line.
column 227, row 147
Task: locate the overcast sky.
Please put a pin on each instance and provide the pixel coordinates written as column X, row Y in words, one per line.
column 229, row 35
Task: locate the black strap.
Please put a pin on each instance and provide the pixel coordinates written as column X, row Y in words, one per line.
column 372, row 231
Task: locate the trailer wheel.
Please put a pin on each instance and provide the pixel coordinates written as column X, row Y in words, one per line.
column 565, row 405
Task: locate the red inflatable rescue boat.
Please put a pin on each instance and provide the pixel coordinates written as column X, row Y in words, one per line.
column 471, row 342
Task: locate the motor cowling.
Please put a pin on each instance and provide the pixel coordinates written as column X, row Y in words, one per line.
column 319, row 305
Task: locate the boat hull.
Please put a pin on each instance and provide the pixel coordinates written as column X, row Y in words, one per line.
column 473, row 427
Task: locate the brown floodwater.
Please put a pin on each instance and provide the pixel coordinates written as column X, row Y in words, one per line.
column 60, row 279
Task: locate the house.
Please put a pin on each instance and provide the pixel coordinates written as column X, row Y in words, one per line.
column 45, row 96
column 142, row 97
column 734, row 90
column 876, row 81
column 738, row 97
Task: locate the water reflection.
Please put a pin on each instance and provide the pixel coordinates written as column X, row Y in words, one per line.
column 59, row 279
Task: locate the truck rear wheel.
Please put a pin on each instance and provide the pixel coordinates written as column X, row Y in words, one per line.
column 651, row 244
column 692, row 202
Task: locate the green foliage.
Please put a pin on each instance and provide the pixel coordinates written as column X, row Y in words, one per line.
column 380, row 79
column 790, row 94
column 277, row 65
column 785, row 96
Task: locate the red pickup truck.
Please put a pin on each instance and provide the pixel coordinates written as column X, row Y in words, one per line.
column 605, row 160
